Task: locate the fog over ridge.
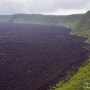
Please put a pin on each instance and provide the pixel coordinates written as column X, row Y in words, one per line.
column 57, row 7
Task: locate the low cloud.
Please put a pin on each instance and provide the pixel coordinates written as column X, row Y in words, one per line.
column 43, row 6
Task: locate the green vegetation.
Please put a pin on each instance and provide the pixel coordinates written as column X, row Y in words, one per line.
column 80, row 25
column 78, row 81
column 83, row 27
column 81, row 80
column 67, row 21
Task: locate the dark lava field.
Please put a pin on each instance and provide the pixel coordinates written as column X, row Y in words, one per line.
column 33, row 57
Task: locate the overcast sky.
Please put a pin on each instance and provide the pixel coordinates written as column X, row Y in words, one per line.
column 56, row 7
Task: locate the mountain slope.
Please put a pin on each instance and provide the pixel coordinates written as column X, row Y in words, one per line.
column 67, row 21
column 77, row 82
column 83, row 27
column 80, row 25
column 81, row 80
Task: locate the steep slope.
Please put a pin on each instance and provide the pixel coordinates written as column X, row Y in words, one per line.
column 67, row 21
column 80, row 25
column 77, row 82
column 83, row 27
column 81, row 80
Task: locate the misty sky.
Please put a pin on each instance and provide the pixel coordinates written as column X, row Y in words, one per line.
column 56, row 7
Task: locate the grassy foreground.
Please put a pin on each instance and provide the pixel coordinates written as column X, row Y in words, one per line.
column 80, row 81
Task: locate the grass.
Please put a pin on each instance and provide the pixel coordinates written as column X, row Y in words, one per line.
column 81, row 28
column 80, row 81
column 62, row 20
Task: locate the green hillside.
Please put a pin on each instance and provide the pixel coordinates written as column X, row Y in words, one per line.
column 67, row 21
column 81, row 80
column 83, row 27
column 77, row 82
column 80, row 25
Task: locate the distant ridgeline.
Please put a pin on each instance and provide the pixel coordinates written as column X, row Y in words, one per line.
column 80, row 23
column 66, row 20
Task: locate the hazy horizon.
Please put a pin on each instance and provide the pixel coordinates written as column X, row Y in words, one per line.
column 49, row 13
column 47, row 7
